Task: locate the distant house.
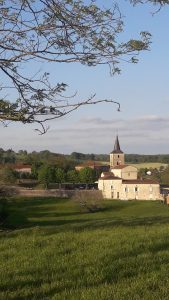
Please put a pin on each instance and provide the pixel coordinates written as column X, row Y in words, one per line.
column 21, row 168
column 121, row 181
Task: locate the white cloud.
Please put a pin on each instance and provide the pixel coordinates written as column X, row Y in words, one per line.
column 145, row 134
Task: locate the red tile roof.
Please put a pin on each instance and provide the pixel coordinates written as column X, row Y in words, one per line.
column 110, row 177
column 139, row 181
column 19, row 167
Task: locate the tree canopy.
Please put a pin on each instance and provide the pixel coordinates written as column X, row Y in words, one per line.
column 56, row 31
column 159, row 2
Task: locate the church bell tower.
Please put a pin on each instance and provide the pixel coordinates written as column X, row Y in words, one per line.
column 116, row 156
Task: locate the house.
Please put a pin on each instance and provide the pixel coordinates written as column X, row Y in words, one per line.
column 121, row 182
column 21, row 168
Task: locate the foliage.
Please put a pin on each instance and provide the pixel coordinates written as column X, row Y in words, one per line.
column 68, row 162
column 161, row 174
column 81, row 156
column 8, row 156
column 87, row 175
column 140, row 158
column 165, row 176
column 3, row 210
column 60, row 175
column 73, row 176
column 156, row 2
column 44, row 175
column 120, row 252
column 34, row 170
column 70, row 31
column 7, row 175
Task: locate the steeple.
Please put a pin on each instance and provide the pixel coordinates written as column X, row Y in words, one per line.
column 116, row 156
column 117, row 146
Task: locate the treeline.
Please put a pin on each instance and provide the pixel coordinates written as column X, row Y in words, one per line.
column 94, row 157
column 129, row 158
column 36, row 158
column 161, row 174
column 46, row 174
column 22, row 156
column 139, row 158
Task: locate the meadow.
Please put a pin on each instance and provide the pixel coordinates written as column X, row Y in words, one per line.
column 147, row 165
column 153, row 165
column 51, row 250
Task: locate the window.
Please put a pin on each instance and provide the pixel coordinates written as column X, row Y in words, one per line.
column 118, row 156
column 151, row 188
column 126, row 189
column 136, row 189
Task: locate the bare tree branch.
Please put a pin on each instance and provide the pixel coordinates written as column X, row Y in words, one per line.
column 59, row 32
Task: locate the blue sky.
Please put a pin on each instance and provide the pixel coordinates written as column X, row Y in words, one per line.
column 141, row 89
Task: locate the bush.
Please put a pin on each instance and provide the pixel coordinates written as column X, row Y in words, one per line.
column 7, row 191
column 3, row 210
column 89, row 201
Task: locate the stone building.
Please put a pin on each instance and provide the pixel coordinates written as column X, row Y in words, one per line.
column 122, row 182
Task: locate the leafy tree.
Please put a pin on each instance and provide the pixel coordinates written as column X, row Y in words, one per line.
column 3, row 209
column 7, row 176
column 156, row 2
column 60, row 175
column 69, row 31
column 44, row 175
column 73, row 176
column 78, row 156
column 142, row 173
column 9, row 156
column 87, row 175
column 34, row 170
column 165, row 176
column 1, row 155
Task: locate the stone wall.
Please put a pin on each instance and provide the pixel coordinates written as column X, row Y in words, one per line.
column 42, row 193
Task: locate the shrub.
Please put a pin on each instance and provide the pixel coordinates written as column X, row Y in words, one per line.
column 89, row 201
column 3, row 210
column 7, row 190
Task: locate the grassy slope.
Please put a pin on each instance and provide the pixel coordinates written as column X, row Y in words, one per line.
column 58, row 253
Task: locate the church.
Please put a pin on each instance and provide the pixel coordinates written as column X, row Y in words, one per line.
column 121, row 182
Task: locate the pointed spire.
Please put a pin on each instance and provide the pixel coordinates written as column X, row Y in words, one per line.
column 117, row 146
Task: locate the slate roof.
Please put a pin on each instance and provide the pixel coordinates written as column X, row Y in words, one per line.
column 117, row 146
column 109, row 175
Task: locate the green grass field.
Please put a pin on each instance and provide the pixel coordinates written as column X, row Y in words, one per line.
column 149, row 165
column 49, row 250
column 140, row 165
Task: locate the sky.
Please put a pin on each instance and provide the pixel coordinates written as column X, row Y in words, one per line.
column 142, row 90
